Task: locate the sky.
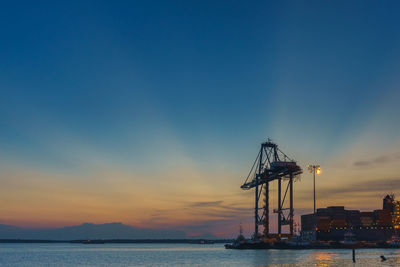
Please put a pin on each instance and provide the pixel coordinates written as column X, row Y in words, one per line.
column 151, row 113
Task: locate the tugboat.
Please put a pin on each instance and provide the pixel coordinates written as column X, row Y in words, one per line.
column 242, row 243
column 239, row 241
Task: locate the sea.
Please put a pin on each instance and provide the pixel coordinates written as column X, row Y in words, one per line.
column 184, row 255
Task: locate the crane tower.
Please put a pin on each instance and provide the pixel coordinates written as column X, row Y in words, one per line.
column 272, row 164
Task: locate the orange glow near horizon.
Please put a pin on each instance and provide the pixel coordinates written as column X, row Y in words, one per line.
column 183, row 197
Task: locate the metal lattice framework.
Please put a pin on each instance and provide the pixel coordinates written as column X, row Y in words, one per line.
column 272, row 164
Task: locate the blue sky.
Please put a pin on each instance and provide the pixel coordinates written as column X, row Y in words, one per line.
column 149, row 87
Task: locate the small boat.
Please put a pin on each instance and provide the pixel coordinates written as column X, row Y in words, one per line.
column 394, row 242
column 240, row 242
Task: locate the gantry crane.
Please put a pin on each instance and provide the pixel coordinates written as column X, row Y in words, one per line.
column 272, row 164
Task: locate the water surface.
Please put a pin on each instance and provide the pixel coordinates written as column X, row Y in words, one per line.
column 183, row 255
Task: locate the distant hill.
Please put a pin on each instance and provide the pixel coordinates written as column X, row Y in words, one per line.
column 89, row 231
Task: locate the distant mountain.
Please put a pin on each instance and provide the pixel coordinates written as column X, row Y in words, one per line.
column 89, row 231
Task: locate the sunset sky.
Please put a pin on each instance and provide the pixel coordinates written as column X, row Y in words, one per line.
column 151, row 113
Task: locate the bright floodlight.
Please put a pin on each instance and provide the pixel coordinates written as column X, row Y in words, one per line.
column 314, row 168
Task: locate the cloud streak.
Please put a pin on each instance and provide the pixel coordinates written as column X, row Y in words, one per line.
column 369, row 186
column 378, row 161
column 206, row 204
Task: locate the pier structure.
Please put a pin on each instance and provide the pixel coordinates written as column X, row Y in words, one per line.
column 272, row 165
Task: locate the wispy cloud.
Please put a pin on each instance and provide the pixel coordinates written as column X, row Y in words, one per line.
column 378, row 160
column 363, row 194
column 206, row 204
column 217, row 210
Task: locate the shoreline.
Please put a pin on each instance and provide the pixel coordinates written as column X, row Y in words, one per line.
column 120, row 241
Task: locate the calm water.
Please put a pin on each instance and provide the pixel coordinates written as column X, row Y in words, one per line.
column 182, row 255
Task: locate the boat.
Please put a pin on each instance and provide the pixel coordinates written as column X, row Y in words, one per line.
column 394, row 242
column 242, row 243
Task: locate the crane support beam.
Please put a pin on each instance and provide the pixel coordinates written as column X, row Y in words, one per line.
column 279, row 207
column 266, row 211
column 291, row 213
column 272, row 164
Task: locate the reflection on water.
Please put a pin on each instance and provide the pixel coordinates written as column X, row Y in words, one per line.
column 323, row 258
column 328, row 258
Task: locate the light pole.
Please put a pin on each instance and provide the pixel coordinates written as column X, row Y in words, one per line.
column 314, row 169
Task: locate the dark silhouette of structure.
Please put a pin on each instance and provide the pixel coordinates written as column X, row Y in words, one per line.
column 272, row 164
column 332, row 223
column 388, row 202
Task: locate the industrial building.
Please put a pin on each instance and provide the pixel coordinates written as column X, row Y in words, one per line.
column 332, row 223
column 396, row 216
